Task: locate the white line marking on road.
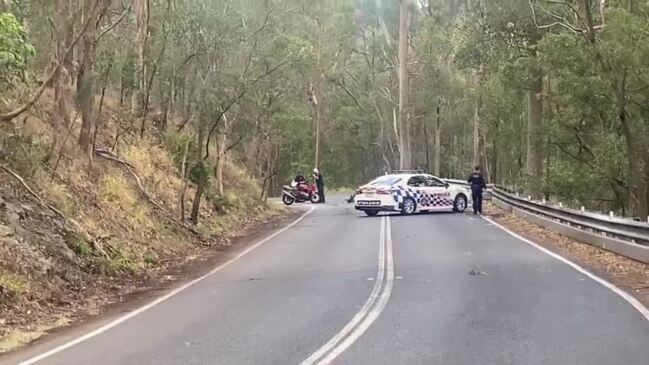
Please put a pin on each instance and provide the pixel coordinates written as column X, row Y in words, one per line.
column 364, row 309
column 140, row 310
column 370, row 310
column 375, row 312
column 626, row 296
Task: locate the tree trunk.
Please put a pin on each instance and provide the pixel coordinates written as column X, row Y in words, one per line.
column 476, row 133
column 183, row 188
column 141, row 8
column 636, row 141
column 61, row 83
column 196, row 205
column 535, row 140
column 405, row 159
column 438, row 146
column 86, row 82
column 220, row 162
column 495, row 160
column 122, row 89
column 426, row 148
column 172, row 92
column 317, row 134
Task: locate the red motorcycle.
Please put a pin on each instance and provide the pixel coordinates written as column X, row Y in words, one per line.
column 300, row 193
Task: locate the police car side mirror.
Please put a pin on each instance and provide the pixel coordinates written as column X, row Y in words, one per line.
column 446, row 185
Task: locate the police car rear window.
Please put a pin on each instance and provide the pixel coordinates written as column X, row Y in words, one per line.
column 386, row 181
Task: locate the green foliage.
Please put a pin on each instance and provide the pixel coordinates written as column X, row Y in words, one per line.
column 14, row 51
column 200, row 172
column 178, row 144
column 81, row 247
column 25, row 154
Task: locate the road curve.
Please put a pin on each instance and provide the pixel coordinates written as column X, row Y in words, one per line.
column 338, row 287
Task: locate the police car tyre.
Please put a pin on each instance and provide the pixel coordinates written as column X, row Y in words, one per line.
column 372, row 213
column 409, row 206
column 287, row 199
column 460, row 203
column 315, row 198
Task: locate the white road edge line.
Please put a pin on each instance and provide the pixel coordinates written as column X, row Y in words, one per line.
column 358, row 317
column 146, row 307
column 626, row 296
column 375, row 312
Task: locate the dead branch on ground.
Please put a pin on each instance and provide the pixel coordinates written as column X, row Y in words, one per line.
column 75, row 225
column 109, row 155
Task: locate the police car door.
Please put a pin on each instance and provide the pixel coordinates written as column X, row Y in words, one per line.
column 418, row 190
column 439, row 194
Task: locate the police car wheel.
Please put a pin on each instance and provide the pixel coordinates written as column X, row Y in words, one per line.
column 460, row 203
column 409, row 206
column 372, row 213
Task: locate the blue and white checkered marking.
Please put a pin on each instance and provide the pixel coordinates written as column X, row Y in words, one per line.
column 423, row 200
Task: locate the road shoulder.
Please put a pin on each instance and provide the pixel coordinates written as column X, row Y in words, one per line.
column 154, row 285
column 627, row 274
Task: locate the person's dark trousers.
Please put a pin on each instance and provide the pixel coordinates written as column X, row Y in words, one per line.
column 321, row 194
column 477, row 200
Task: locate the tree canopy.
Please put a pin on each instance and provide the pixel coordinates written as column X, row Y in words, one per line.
column 549, row 97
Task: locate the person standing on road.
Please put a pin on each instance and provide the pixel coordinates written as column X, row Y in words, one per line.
column 477, row 186
column 319, row 181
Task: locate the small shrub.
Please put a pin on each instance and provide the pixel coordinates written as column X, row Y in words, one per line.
column 175, row 143
column 24, row 154
column 59, row 194
column 12, row 286
column 151, row 259
column 116, row 264
column 82, row 248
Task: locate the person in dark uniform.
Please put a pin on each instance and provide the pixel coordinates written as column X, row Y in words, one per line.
column 477, row 186
column 319, row 181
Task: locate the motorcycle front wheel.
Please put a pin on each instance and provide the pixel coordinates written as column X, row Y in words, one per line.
column 315, row 198
column 287, row 199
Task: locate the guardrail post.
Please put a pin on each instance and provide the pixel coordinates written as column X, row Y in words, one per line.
column 543, row 201
column 611, row 214
column 583, row 208
column 560, row 205
column 529, row 197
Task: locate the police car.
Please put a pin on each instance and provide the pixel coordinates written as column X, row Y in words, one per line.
column 409, row 193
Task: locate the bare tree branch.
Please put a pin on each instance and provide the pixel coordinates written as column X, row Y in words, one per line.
column 236, row 100
column 114, row 24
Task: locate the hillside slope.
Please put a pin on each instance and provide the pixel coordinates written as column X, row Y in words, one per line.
column 88, row 236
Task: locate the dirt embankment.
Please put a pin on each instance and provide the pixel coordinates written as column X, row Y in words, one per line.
column 627, row 274
column 91, row 236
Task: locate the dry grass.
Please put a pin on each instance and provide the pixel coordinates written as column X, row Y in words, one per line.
column 61, row 197
column 18, row 338
column 13, row 284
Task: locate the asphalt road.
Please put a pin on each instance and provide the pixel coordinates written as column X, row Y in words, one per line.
column 338, row 287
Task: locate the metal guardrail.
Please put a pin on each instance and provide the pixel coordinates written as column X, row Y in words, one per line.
column 617, row 227
column 487, row 194
column 623, row 236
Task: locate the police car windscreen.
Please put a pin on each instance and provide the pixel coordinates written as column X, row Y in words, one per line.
column 389, row 181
